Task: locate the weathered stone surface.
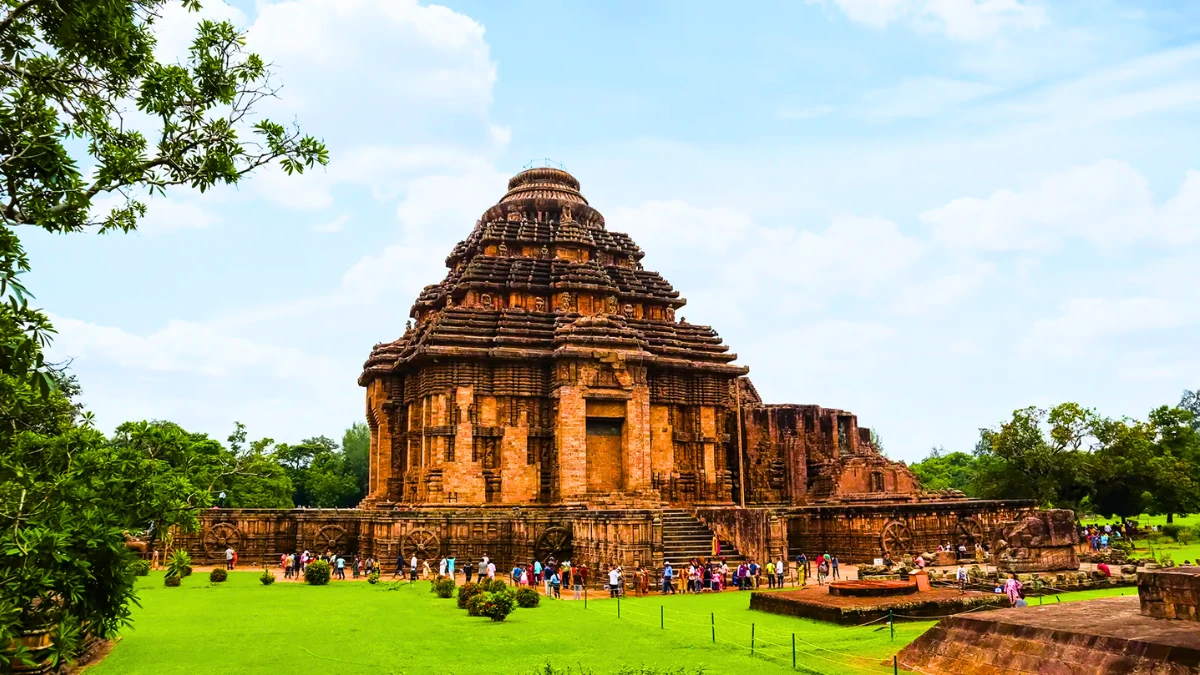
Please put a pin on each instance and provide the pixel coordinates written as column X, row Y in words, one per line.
column 1171, row 593
column 815, row 602
column 1094, row 637
column 1044, row 541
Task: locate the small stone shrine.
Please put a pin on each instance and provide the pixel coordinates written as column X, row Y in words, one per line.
column 549, row 398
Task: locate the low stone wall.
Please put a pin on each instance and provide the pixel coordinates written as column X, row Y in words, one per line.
column 1170, row 593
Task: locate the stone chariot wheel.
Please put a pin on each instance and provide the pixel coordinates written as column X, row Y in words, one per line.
column 331, row 538
column 970, row 532
column 220, row 537
column 896, row 538
column 555, row 541
column 421, row 543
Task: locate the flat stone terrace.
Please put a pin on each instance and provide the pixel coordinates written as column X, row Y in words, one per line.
column 1096, row 637
column 815, row 602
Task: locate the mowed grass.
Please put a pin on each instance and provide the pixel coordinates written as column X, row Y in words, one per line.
column 1179, row 552
column 243, row 627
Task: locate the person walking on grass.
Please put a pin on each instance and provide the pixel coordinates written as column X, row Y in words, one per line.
column 555, row 584
column 413, row 570
column 667, row 586
column 614, row 582
column 229, row 558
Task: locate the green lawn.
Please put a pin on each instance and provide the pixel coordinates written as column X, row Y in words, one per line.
column 1179, row 552
column 243, row 627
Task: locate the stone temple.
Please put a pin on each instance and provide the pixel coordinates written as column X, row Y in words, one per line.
column 549, row 397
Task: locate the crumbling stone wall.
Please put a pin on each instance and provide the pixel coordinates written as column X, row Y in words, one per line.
column 1170, row 593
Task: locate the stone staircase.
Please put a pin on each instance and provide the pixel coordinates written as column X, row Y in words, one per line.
column 685, row 537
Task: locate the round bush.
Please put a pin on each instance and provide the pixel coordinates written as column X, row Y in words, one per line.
column 217, row 575
column 497, row 605
column 494, row 585
column 172, row 581
column 527, row 597
column 317, row 573
column 187, row 570
column 266, row 577
column 475, row 604
column 140, row 568
column 466, row 592
column 373, row 578
column 444, row 587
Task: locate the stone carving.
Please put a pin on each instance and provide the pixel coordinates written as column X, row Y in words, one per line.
column 896, row 539
column 566, row 214
column 627, row 310
column 1041, row 542
column 566, row 303
column 670, row 313
column 545, row 251
column 486, row 299
column 220, row 537
column 610, row 304
column 422, row 543
column 331, row 538
column 539, row 304
column 503, row 250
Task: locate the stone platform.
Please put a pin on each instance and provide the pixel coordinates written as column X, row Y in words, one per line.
column 815, row 602
column 1094, row 637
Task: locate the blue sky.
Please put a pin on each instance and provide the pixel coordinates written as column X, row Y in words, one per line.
column 928, row 212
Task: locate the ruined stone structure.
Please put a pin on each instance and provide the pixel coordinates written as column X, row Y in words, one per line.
column 1040, row 542
column 549, row 387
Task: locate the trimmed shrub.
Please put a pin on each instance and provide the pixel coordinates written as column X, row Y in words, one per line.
column 495, row 605
column 266, row 577
column 172, row 582
column 373, row 578
column 475, row 604
column 1171, row 530
column 140, row 568
column 217, row 575
column 444, row 587
column 493, row 585
column 466, row 592
column 317, row 573
column 527, row 597
column 1185, row 535
column 1123, row 545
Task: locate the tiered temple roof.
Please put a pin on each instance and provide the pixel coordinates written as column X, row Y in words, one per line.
column 535, row 264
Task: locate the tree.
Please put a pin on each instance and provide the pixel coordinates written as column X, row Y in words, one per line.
column 1191, row 403
column 319, row 473
column 356, row 445
column 941, row 471
column 1038, row 454
column 69, row 70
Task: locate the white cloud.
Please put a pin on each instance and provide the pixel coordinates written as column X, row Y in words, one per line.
column 805, row 112
column 968, row 20
column 1082, row 321
column 1108, row 204
column 163, row 214
column 184, row 347
column 334, row 225
column 921, row 97
column 943, row 291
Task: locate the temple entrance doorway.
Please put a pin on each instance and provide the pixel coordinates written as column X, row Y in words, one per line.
column 604, row 454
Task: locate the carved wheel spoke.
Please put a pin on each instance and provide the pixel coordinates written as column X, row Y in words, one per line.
column 555, row 541
column 220, row 537
column 970, row 532
column 330, row 537
column 421, row 543
column 896, row 538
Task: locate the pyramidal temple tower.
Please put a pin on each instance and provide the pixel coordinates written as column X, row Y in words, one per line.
column 551, row 367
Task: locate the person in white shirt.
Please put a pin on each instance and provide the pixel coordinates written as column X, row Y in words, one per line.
column 442, row 567
column 412, row 568
column 491, row 570
column 614, row 582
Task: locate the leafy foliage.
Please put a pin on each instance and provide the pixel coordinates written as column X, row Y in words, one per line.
column 527, row 597
column 1038, row 454
column 217, row 575
column 319, row 474
column 942, row 471
column 179, row 564
column 496, row 605
column 444, row 587
column 466, row 592
column 356, row 448
column 317, row 572
column 139, row 567
column 373, row 578
column 266, row 578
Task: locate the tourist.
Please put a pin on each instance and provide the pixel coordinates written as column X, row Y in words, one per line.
column 822, row 572
column 1104, row 569
column 801, row 574
column 770, row 574
column 920, row 561
column 491, row 570
column 413, row 570
column 537, row 571
column 555, row 584
column 450, row 566
column 834, row 566
column 235, row 559
column 442, row 567
column 518, row 575
column 1012, row 588
column 962, row 550
column 961, row 576
column 481, row 569
column 614, row 582
column 229, row 558
column 1104, row 541
column 887, row 560
column 1020, row 602
column 724, row 574
column 978, row 551
column 468, row 568
column 643, row 581
column 546, row 571
column 580, row 579
column 754, row 573
column 341, row 568
column 399, row 566
column 666, row 579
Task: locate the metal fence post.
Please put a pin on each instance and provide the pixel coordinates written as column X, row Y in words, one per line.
column 752, row 639
column 662, row 621
column 713, row 617
column 892, row 623
column 793, row 651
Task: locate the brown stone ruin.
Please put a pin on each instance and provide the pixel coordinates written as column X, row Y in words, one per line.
column 547, row 389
